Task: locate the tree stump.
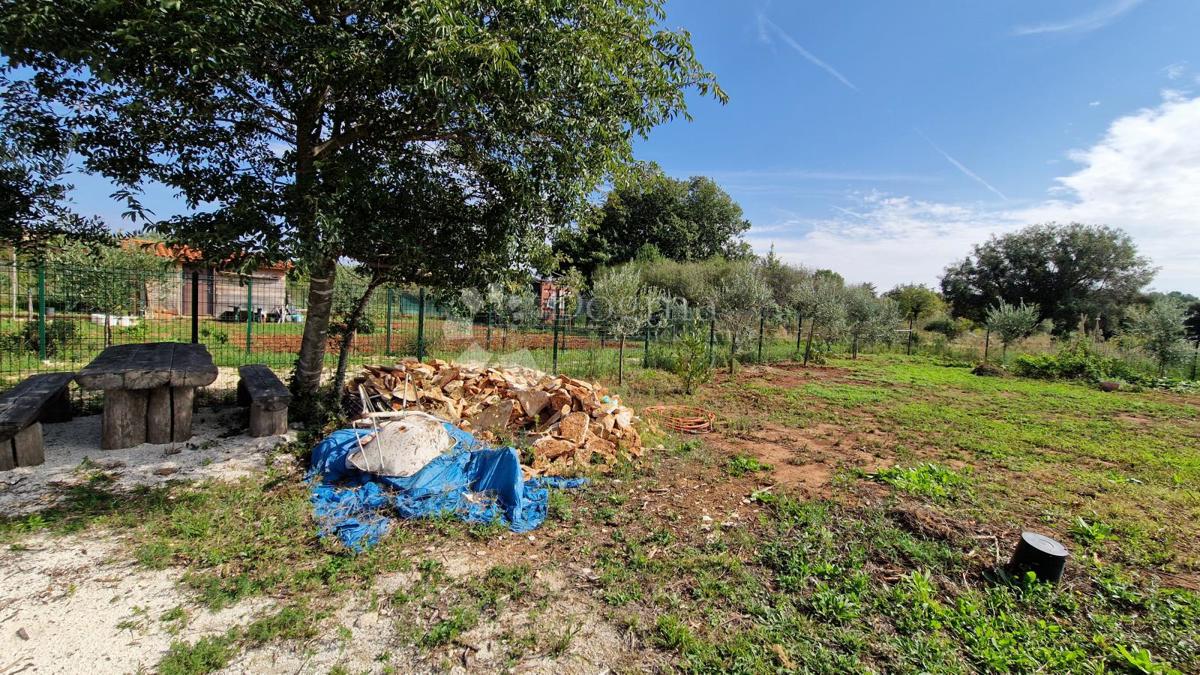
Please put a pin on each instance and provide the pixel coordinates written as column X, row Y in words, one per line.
column 123, row 424
column 1039, row 554
column 158, row 415
column 181, row 413
column 27, row 446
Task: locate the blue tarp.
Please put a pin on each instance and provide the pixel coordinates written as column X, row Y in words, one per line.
column 473, row 482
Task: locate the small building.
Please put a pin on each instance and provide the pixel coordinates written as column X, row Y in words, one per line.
column 221, row 294
column 547, row 293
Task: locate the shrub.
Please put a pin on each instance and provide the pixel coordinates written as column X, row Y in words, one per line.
column 1076, row 360
column 693, row 365
column 952, row 329
column 59, row 335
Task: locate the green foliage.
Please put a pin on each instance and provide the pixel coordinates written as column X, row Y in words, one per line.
column 741, row 465
column 1011, row 323
column 34, row 199
column 741, row 303
column 1075, row 360
column 206, row 655
column 61, row 336
column 696, row 282
column 868, row 319
column 1067, row 270
column 915, row 301
column 453, row 136
column 683, row 220
column 1161, row 329
column 927, row 480
column 693, row 365
column 1090, row 533
column 951, row 328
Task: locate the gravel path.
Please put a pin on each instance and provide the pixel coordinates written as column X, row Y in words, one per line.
column 219, row 448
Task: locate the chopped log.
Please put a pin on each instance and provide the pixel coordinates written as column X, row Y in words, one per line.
column 268, row 399
column 123, row 424
column 181, row 413
column 27, row 446
column 158, row 415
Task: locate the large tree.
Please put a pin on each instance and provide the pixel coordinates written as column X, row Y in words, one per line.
column 1069, row 271
column 34, row 205
column 682, row 220
column 241, row 106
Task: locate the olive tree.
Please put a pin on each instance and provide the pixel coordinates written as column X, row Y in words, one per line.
column 869, row 319
column 1012, row 322
column 622, row 304
column 1162, row 330
column 740, row 303
column 819, row 298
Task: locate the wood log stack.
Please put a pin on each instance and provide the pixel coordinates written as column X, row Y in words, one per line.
column 571, row 425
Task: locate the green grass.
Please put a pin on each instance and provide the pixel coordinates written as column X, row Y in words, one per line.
column 893, row 569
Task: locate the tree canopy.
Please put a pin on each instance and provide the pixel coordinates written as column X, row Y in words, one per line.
column 1069, row 271
column 257, row 113
column 650, row 212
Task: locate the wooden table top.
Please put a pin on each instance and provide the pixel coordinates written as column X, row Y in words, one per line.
column 146, row 366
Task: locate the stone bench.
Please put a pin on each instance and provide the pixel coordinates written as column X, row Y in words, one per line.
column 261, row 389
column 37, row 399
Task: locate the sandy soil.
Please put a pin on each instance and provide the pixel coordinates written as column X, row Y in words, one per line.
column 75, row 605
column 218, row 449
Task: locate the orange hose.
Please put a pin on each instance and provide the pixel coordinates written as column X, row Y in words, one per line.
column 682, row 418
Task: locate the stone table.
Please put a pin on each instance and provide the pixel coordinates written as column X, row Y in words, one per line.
column 148, row 391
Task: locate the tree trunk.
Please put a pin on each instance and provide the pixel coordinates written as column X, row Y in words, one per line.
column 1195, row 358
column 347, row 340
column 812, row 326
column 911, row 320
column 854, row 348
column 732, row 352
column 311, row 360
column 987, row 343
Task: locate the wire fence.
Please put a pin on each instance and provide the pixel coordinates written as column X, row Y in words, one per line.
column 58, row 317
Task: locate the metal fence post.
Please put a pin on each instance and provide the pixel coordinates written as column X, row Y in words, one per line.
column 646, row 347
column 712, row 341
column 195, row 306
column 489, row 329
column 387, row 348
column 799, row 330
column 249, row 312
column 762, row 324
column 557, row 319
column 421, row 324
column 41, row 291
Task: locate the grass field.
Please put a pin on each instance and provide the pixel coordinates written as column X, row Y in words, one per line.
column 852, row 517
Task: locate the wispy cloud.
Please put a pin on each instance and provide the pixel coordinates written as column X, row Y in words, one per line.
column 1095, row 19
column 1176, row 70
column 766, row 28
column 962, row 167
column 799, row 174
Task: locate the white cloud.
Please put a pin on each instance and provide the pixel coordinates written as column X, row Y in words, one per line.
column 1176, row 70
column 1094, row 104
column 1098, row 18
column 1142, row 176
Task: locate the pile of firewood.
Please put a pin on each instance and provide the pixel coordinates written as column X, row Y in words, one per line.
column 572, row 425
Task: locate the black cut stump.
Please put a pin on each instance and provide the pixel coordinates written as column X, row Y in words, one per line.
column 1039, row 554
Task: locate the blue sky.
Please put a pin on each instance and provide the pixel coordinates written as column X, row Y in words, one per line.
column 881, row 139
